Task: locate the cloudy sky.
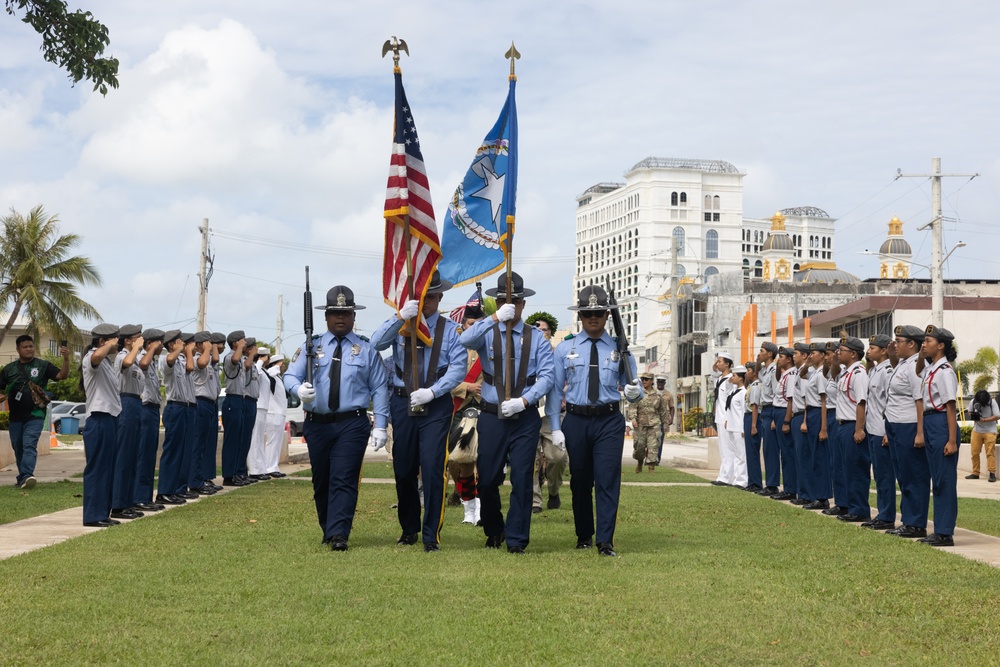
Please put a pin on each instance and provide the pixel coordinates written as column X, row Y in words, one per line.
column 276, row 126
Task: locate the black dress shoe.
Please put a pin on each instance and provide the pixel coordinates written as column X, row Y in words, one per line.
column 972, row 476
column 605, row 549
column 753, row 488
column 277, row 475
column 992, row 478
column 536, row 510
column 233, row 481
column 431, row 547
column 127, row 513
column 147, row 507
column 106, row 523
column 338, row 543
column 850, row 518
column 836, row 510
column 878, row 524
column 260, row 478
column 800, row 501
column 767, row 491
column 187, row 496
column 784, row 495
column 169, row 500
column 584, row 543
column 327, row 541
column 205, row 490
column 495, row 541
column 936, row 540
column 817, row 505
column 217, row 487
column 553, row 503
column 716, row 482
column 248, row 480
column 406, row 539
column 515, row 550
column 908, row 531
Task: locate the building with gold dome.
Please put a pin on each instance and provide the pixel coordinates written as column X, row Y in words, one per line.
column 895, row 254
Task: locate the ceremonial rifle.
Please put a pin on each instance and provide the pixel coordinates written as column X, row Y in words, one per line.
column 307, row 300
column 616, row 320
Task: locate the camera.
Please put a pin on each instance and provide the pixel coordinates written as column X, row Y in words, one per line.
column 977, row 412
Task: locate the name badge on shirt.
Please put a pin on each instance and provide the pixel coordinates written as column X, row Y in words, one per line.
column 319, row 352
column 614, row 356
column 355, row 350
column 572, row 355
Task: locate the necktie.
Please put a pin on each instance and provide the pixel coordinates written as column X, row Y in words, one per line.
column 594, row 380
column 334, row 400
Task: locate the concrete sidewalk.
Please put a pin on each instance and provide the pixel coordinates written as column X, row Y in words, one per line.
column 689, row 454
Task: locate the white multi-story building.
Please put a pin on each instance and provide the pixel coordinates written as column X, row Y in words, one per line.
column 625, row 233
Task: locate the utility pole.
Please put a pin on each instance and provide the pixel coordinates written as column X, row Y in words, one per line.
column 203, row 276
column 673, row 379
column 937, row 252
column 281, row 323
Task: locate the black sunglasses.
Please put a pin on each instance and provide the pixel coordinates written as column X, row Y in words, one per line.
column 587, row 314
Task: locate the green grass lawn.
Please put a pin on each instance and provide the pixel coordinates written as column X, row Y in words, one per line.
column 705, row 576
column 383, row 470
column 45, row 498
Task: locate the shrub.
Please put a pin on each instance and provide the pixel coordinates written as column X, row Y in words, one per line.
column 692, row 419
column 4, row 421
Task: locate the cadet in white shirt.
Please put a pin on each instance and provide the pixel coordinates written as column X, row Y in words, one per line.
column 853, row 388
column 102, row 384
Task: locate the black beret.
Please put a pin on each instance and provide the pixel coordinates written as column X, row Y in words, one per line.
column 881, row 340
column 939, row 333
column 787, row 351
column 129, row 330
column 769, row 346
column 187, row 337
column 801, row 347
column 235, row 336
column 251, row 341
column 909, row 331
column 170, row 336
column 218, row 337
column 105, row 330
column 202, row 336
column 152, row 335
column 852, row 343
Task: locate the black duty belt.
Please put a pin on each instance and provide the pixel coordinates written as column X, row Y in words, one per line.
column 800, row 412
column 131, row 395
column 846, row 421
column 494, row 409
column 933, row 412
column 333, row 418
column 592, row 410
column 184, row 403
column 764, row 405
column 147, row 404
column 206, row 398
column 250, row 398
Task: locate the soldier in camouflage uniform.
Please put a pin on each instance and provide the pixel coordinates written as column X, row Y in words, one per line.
column 646, row 416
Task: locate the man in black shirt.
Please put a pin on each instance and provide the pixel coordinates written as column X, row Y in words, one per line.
column 22, row 385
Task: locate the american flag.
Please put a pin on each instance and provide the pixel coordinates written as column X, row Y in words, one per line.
column 407, row 196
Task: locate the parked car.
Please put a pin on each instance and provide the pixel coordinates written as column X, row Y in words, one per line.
column 296, row 415
column 67, row 409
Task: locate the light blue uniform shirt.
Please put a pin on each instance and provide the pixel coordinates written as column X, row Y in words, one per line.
column 572, row 361
column 362, row 376
column 541, row 365
column 452, row 364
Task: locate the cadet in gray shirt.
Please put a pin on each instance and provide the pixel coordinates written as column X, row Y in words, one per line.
column 149, row 421
column 101, row 382
column 175, row 372
column 132, row 377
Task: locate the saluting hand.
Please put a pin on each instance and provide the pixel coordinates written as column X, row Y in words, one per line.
column 506, row 312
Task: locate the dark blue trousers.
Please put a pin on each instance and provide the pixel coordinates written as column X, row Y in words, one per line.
column 246, row 435
column 207, row 437
column 336, row 452
column 836, row 459
column 752, row 444
column 187, row 466
column 421, row 444
column 100, row 439
column 595, row 447
column 820, row 485
column 885, row 479
column 944, row 471
column 175, row 433
column 857, row 470
column 912, row 472
column 145, row 461
column 129, row 420
column 500, row 441
column 789, row 468
column 803, row 458
column 232, row 433
column 772, row 453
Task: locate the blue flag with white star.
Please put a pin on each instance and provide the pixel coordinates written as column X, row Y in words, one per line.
column 475, row 239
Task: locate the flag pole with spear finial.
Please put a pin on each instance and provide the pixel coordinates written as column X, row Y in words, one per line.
column 508, row 371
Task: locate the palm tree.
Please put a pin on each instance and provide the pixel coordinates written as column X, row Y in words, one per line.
column 40, row 277
column 985, row 366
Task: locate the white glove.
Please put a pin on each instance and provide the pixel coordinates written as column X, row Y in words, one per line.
column 632, row 391
column 559, row 440
column 506, row 312
column 409, row 309
column 421, row 397
column 379, row 437
column 306, row 392
column 512, row 407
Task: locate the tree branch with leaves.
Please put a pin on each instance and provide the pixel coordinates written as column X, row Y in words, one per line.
column 75, row 41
